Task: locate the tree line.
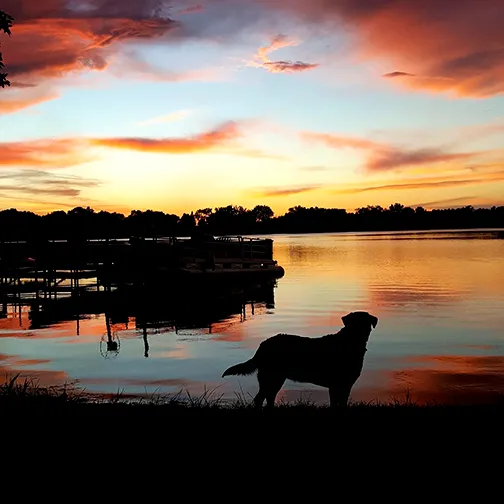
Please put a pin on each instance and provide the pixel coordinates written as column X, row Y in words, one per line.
column 85, row 223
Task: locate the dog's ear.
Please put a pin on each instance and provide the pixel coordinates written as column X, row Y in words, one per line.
column 346, row 318
column 374, row 320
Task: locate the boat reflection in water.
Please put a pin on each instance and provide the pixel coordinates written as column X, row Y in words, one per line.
column 191, row 308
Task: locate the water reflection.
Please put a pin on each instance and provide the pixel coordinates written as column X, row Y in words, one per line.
column 451, row 378
column 439, row 298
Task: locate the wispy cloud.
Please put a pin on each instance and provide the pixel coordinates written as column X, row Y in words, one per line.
column 392, row 75
column 22, row 85
column 15, row 101
column 251, row 153
column 221, row 136
column 462, row 201
column 284, row 191
column 193, row 9
column 427, row 183
column 392, row 159
column 46, row 177
column 132, row 65
column 262, row 60
column 177, row 115
column 341, row 141
column 284, row 66
column 383, row 157
column 24, row 183
column 53, row 191
column 446, row 202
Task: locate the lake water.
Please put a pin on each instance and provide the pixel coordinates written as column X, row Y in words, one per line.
column 439, row 297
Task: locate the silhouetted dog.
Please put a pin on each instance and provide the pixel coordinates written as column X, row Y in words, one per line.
column 334, row 361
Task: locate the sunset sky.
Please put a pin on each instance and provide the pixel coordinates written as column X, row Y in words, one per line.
column 177, row 105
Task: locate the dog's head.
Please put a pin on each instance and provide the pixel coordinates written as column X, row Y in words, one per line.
column 360, row 322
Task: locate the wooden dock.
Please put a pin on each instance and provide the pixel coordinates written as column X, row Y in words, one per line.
column 62, row 279
column 46, row 268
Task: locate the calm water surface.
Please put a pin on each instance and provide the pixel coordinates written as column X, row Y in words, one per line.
column 439, row 298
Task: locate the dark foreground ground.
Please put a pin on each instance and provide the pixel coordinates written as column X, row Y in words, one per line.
column 22, row 400
column 203, row 446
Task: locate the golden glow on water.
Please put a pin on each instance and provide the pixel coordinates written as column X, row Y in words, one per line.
column 439, row 298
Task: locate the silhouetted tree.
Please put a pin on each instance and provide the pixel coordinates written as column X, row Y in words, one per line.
column 202, row 215
column 186, row 224
column 262, row 213
column 396, row 208
column 5, row 25
column 230, row 220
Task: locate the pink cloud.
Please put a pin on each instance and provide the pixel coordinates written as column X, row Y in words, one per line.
column 384, row 157
column 261, row 59
column 440, row 45
column 54, row 38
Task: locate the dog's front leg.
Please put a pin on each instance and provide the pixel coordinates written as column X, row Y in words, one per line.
column 338, row 396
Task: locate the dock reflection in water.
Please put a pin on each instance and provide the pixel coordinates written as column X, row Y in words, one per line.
column 111, row 323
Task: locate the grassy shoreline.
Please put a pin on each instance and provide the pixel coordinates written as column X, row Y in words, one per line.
column 17, row 395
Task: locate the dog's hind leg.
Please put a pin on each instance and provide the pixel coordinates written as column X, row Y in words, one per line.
column 269, row 386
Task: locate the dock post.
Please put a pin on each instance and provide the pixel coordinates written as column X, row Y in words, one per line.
column 146, row 341
column 36, row 284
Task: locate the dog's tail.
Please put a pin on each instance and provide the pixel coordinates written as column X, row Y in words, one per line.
column 245, row 368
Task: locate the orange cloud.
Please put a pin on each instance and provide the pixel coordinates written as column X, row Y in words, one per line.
column 442, row 47
column 15, row 102
column 197, row 143
column 44, row 153
column 58, row 153
column 261, row 59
